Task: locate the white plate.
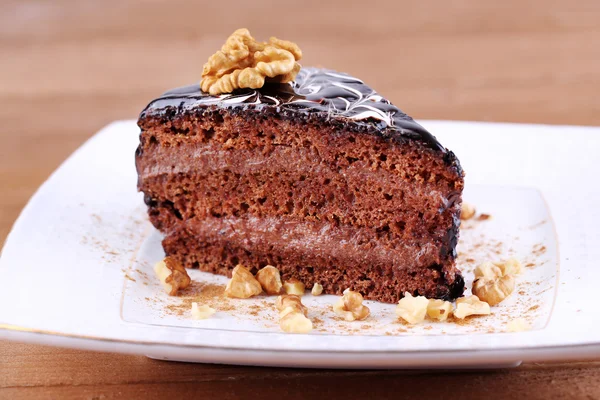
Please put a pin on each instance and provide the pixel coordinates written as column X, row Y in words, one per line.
column 77, row 269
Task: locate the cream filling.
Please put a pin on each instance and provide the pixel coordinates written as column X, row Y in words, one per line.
column 210, row 157
column 315, row 239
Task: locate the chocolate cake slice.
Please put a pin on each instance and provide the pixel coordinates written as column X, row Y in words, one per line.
column 321, row 177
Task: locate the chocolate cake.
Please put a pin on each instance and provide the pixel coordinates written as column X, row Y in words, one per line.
column 321, row 177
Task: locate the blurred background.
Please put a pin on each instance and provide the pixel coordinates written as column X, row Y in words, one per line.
column 67, row 68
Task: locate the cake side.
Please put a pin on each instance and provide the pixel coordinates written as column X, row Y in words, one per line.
column 317, row 197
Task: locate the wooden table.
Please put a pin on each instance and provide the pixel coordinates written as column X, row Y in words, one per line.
column 67, row 68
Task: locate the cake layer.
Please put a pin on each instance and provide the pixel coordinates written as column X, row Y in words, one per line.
column 209, row 180
column 266, row 131
column 315, row 252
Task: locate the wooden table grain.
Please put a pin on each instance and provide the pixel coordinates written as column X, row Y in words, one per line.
column 67, row 68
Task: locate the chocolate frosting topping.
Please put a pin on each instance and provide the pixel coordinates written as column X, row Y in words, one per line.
column 333, row 95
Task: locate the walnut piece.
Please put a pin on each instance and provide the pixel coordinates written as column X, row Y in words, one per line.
column 172, row 275
column 512, row 266
column 295, row 322
column 439, row 309
column 412, row 309
column 243, row 62
column 317, row 289
column 270, row 279
column 471, row 305
column 488, row 271
column 293, row 314
column 492, row 285
column 494, row 291
column 290, row 302
column 243, row 284
column 350, row 306
column 467, row 211
column 518, row 325
column 202, row 311
column 294, row 286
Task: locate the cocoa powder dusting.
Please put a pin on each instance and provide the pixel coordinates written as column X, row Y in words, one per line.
column 484, row 217
column 206, row 294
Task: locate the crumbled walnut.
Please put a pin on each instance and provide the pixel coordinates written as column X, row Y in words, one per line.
column 350, row 306
column 517, row 325
column 294, row 286
column 439, row 309
column 172, row 275
column 243, row 62
column 269, row 279
column 290, row 301
column 242, row 284
column 317, row 289
column 202, row 311
column 494, row 291
column 293, row 314
column 295, row 322
column 467, row 211
column 412, row 309
column 512, row 266
column 471, row 305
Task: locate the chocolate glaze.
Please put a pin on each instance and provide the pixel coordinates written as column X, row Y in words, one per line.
column 329, row 95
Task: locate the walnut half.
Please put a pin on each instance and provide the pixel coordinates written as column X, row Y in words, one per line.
column 491, row 284
column 494, row 291
column 243, row 62
column 172, row 275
